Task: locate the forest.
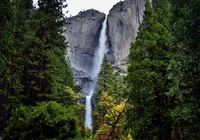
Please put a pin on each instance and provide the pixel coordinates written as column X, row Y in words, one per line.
column 158, row 99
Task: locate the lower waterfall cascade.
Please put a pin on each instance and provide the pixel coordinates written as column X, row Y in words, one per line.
column 99, row 54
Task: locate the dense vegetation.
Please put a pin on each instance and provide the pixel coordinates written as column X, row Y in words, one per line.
column 163, row 74
column 36, row 81
column 109, row 113
column 159, row 99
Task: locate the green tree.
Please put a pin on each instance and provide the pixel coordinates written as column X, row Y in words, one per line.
column 185, row 69
column 105, row 83
column 106, row 78
column 34, row 66
column 46, row 121
column 109, row 112
column 14, row 15
column 148, row 61
column 62, row 75
column 47, row 70
column 112, row 120
column 120, row 88
column 5, row 43
column 163, row 10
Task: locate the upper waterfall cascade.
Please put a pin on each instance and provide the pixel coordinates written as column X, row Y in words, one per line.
column 99, row 54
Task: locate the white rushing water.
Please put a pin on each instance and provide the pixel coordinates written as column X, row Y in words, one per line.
column 99, row 54
column 88, row 115
column 101, row 50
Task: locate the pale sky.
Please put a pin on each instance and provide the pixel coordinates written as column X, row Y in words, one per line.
column 75, row 6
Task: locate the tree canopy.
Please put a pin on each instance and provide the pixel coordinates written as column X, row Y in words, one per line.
column 48, row 120
column 157, row 100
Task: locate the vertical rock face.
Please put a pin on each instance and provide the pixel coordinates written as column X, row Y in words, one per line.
column 82, row 33
column 123, row 22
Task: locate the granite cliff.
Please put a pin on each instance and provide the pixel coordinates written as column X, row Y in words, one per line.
column 83, row 31
column 123, row 22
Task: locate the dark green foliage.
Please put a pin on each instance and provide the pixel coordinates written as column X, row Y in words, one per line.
column 163, row 74
column 62, row 74
column 13, row 17
column 47, row 69
column 149, row 118
column 34, row 66
column 185, row 69
column 163, row 12
column 106, row 83
column 45, row 121
column 109, row 111
column 106, row 78
column 120, row 88
column 45, row 49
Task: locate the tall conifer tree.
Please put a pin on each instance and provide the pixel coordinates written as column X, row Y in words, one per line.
column 149, row 118
column 47, row 69
column 106, row 78
column 106, row 83
column 185, row 69
column 14, row 15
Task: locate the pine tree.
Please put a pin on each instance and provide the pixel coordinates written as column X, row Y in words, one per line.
column 106, row 78
column 14, row 15
column 6, row 33
column 34, row 66
column 185, row 69
column 120, row 88
column 163, row 12
column 106, row 83
column 46, row 47
column 149, row 118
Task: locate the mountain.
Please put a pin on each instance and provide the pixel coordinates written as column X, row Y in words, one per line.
column 83, row 31
column 123, row 22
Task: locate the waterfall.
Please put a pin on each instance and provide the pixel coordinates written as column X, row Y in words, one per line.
column 99, row 54
column 88, row 115
column 102, row 49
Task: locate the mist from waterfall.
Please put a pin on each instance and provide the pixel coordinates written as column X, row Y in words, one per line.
column 99, row 54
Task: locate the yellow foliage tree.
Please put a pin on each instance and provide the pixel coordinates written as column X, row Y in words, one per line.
column 111, row 117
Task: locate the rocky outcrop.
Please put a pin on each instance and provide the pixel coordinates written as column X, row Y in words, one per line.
column 82, row 79
column 123, row 22
column 82, row 33
column 121, row 67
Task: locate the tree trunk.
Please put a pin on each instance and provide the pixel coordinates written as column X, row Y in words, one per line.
column 41, row 65
column 177, row 133
column 40, row 75
column 113, row 131
column 5, row 108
